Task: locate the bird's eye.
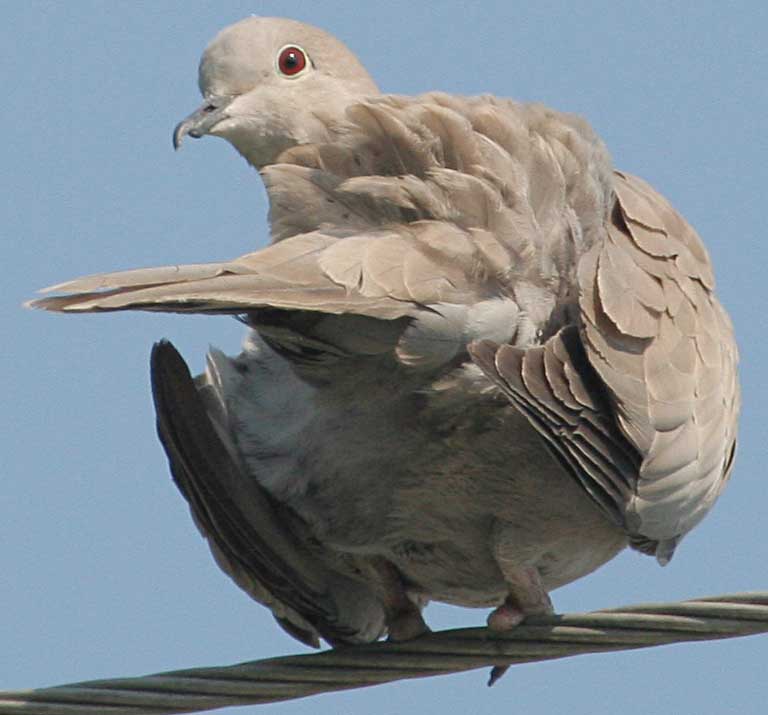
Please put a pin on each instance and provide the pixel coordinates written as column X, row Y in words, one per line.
column 292, row 61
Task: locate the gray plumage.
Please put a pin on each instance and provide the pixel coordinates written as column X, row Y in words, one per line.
column 481, row 361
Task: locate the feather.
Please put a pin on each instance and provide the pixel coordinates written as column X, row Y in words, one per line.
column 661, row 413
column 243, row 524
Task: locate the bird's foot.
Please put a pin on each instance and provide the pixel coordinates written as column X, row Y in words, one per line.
column 510, row 613
column 527, row 597
column 406, row 624
column 505, row 617
column 403, row 613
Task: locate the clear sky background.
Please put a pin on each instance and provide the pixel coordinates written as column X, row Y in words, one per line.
column 102, row 572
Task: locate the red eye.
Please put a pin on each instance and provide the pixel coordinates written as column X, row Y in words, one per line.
column 291, row 60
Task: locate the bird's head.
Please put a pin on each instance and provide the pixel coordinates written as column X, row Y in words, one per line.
column 270, row 83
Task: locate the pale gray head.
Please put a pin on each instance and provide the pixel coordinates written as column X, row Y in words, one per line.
column 271, row 83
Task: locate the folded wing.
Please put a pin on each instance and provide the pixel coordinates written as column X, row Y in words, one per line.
column 641, row 403
column 246, row 529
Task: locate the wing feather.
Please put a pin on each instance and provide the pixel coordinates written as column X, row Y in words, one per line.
column 382, row 274
column 577, row 432
column 640, row 401
column 245, row 527
column 662, row 345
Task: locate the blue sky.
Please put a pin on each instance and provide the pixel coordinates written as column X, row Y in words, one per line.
column 103, row 571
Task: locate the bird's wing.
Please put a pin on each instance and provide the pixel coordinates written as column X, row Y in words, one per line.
column 381, row 274
column 463, row 214
column 556, row 389
column 425, row 200
column 642, row 404
column 249, row 536
column 664, row 347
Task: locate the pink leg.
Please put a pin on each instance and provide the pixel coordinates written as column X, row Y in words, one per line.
column 526, row 597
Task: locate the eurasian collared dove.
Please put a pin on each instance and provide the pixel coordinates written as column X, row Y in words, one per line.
column 481, row 362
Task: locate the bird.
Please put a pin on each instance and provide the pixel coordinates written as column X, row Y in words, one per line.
column 480, row 361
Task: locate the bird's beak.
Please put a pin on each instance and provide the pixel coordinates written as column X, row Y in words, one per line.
column 203, row 119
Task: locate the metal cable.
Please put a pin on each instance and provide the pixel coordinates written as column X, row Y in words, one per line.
column 274, row 679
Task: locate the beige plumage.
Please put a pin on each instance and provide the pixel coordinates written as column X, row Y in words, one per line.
column 481, row 361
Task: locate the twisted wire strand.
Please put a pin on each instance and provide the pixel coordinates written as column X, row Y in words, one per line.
column 266, row 681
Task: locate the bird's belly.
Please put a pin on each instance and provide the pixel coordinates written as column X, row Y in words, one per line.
column 446, row 489
column 497, row 500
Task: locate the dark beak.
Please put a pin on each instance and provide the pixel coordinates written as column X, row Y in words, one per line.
column 202, row 120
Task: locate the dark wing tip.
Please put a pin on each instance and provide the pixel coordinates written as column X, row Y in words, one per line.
column 164, row 353
column 234, row 513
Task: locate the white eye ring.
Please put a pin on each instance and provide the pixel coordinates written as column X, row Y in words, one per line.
column 292, row 61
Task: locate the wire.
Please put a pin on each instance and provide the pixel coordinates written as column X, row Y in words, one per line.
column 539, row 638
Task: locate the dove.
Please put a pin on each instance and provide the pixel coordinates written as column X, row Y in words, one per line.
column 480, row 361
